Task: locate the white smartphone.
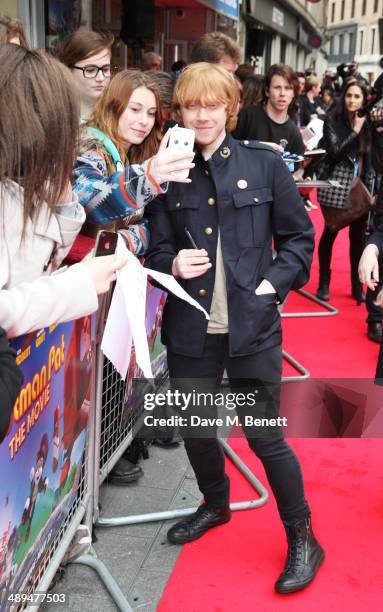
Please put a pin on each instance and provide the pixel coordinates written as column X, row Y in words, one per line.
column 181, row 140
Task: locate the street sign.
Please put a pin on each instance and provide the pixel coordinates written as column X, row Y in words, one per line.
column 315, row 40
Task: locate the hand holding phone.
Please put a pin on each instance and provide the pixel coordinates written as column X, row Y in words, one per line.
column 170, row 161
column 181, row 141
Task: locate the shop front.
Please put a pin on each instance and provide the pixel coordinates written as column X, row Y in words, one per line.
column 276, row 33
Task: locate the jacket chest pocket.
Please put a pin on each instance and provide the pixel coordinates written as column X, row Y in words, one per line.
column 183, row 211
column 253, row 216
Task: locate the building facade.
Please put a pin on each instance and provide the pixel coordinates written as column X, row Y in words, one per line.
column 267, row 31
column 354, row 34
column 287, row 31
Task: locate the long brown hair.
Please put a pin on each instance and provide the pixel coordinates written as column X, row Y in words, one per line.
column 39, row 117
column 112, row 103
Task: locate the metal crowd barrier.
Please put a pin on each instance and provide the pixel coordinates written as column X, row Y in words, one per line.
column 47, row 460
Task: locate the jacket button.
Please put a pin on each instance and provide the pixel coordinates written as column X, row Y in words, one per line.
column 208, row 231
column 225, row 152
column 202, row 293
column 256, row 200
column 178, row 204
column 206, row 172
column 211, row 201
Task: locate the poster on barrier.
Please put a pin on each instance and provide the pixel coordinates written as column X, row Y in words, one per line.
column 42, row 453
column 155, row 301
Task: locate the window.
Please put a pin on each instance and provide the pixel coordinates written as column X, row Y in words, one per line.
column 346, row 44
column 351, row 43
column 331, row 45
column 361, row 41
column 333, row 11
column 373, row 31
column 352, row 9
column 364, row 7
column 341, row 38
column 342, row 10
column 336, row 44
column 376, row 6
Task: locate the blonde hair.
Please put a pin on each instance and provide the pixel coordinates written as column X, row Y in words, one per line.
column 204, row 83
column 311, row 81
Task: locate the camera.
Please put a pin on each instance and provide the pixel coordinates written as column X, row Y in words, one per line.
column 375, row 103
column 346, row 70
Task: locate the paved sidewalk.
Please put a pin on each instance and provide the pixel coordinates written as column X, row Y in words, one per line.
column 138, row 556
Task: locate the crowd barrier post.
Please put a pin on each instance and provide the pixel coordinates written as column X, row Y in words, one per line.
column 331, row 311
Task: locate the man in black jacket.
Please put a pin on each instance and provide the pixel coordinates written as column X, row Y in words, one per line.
column 215, row 235
column 11, row 378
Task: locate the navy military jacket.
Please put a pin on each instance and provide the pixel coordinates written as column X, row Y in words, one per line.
column 246, row 192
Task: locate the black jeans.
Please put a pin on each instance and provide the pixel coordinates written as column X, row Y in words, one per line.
column 263, row 371
column 356, row 234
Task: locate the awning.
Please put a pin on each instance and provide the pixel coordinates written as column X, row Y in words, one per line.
column 229, row 8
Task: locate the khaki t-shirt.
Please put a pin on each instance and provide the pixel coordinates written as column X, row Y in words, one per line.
column 219, row 323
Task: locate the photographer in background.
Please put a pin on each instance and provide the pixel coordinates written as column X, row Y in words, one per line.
column 348, row 71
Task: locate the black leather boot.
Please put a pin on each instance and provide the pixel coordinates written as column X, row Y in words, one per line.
column 323, row 291
column 194, row 526
column 124, row 472
column 304, row 558
column 375, row 331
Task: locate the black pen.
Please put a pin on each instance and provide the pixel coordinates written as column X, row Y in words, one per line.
column 191, row 239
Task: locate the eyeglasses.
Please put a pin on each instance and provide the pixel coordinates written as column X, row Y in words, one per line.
column 91, row 72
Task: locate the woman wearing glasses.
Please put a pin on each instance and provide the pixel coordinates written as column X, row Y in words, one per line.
column 88, row 55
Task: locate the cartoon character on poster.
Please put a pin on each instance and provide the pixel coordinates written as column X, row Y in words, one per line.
column 44, row 448
column 38, row 484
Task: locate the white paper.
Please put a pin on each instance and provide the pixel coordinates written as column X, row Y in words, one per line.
column 312, row 133
column 133, row 281
column 116, row 342
column 126, row 317
column 171, row 285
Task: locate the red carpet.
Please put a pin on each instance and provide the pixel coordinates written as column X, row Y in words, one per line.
column 235, row 565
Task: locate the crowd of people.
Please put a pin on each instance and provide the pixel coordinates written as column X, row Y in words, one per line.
column 83, row 147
